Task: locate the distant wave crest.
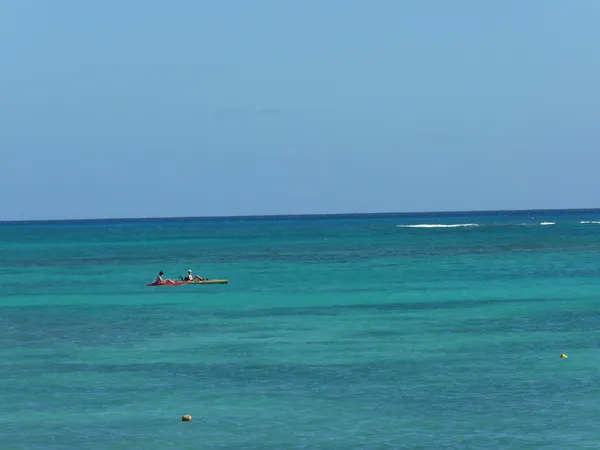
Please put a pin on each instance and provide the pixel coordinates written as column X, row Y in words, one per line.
column 439, row 225
column 462, row 225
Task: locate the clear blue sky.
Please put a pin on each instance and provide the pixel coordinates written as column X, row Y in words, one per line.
column 189, row 108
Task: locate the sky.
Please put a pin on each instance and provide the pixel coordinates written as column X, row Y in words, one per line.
column 147, row 108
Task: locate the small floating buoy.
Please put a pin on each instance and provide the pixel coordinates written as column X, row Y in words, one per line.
column 562, row 355
column 186, row 418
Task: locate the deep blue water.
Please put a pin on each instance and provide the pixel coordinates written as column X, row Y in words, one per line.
column 359, row 331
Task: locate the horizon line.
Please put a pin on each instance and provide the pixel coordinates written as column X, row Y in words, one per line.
column 295, row 215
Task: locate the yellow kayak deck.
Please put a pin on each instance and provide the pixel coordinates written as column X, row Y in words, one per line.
column 208, row 282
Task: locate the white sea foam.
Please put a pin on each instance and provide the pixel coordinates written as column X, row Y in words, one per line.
column 590, row 221
column 439, row 225
column 461, row 225
column 534, row 224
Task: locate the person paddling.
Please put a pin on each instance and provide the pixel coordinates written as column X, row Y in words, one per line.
column 189, row 277
column 160, row 280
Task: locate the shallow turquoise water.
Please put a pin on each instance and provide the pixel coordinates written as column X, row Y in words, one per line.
column 350, row 332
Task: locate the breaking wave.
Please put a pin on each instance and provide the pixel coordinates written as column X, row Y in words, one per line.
column 439, row 225
column 467, row 225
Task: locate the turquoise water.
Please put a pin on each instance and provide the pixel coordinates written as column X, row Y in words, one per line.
column 374, row 332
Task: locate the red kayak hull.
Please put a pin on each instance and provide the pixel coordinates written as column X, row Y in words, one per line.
column 176, row 283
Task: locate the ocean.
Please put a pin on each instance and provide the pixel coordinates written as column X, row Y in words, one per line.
column 392, row 331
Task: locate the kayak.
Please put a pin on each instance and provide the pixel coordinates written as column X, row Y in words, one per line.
column 208, row 282
column 176, row 283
